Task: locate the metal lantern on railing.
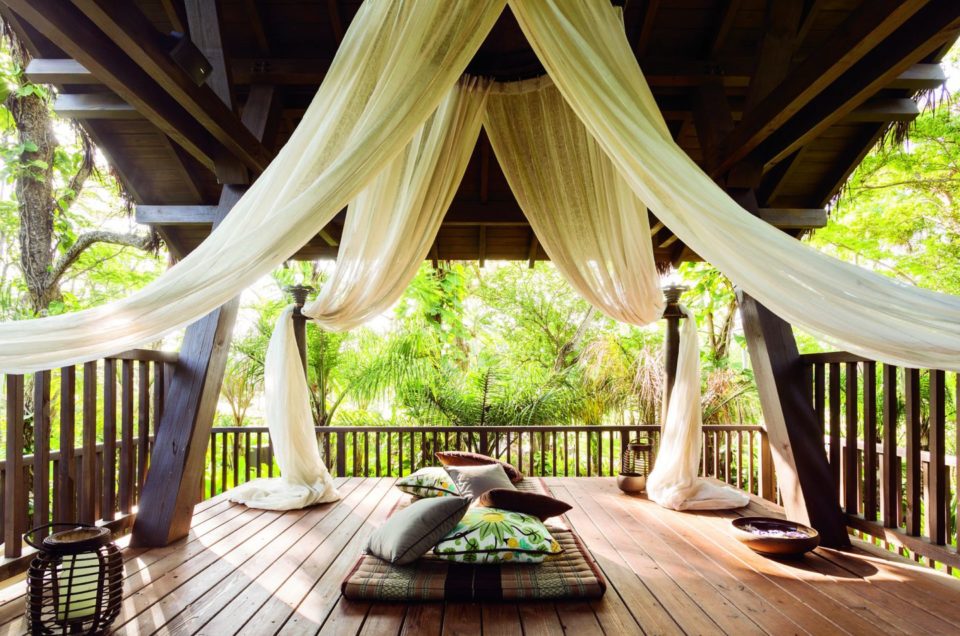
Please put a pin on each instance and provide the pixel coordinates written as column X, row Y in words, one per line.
column 75, row 581
column 636, row 463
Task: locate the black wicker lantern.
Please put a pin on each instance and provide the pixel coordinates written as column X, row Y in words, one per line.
column 75, row 581
column 636, row 463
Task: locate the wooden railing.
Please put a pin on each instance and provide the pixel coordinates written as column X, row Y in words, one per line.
column 894, row 482
column 88, row 429
column 737, row 454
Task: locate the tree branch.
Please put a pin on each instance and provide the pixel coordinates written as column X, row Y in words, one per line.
column 145, row 242
column 79, row 178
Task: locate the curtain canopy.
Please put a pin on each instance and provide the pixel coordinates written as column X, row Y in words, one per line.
column 396, row 64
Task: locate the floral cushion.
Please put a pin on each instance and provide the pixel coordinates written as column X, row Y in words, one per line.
column 429, row 482
column 490, row 535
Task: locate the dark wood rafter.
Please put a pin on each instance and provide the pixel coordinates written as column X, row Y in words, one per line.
column 129, row 29
column 726, row 18
column 835, row 80
column 176, row 15
column 646, row 28
column 336, row 22
column 256, row 23
column 482, row 245
column 84, row 42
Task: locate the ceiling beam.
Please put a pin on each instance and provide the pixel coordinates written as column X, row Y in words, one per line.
column 175, row 13
column 532, row 250
column 60, row 22
column 93, row 106
column 784, row 218
column 937, row 23
column 727, row 17
column 862, row 31
column 646, row 28
column 126, row 26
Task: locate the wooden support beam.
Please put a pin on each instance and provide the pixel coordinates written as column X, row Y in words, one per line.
column 482, row 245
column 256, row 23
column 533, row 249
column 885, row 109
column 93, row 106
column 59, row 71
column 646, row 28
column 727, row 17
column 125, row 25
column 803, row 474
column 177, row 463
column 862, row 31
column 79, row 38
column 176, row 15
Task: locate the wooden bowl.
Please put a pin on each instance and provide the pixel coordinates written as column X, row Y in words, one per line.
column 775, row 537
column 631, row 484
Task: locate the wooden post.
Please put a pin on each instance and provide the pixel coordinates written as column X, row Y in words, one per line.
column 803, row 475
column 671, row 341
column 299, row 295
column 178, row 460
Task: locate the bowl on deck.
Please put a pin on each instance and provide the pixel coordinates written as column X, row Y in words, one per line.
column 775, row 537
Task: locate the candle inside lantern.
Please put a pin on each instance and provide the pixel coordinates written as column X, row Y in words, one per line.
column 78, row 581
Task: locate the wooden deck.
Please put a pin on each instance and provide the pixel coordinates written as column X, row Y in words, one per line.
column 245, row 571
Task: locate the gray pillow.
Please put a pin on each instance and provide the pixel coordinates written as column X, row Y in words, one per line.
column 411, row 532
column 473, row 481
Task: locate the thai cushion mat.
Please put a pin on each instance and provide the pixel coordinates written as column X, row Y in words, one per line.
column 570, row 575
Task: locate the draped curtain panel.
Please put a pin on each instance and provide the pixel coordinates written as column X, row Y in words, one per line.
column 586, row 53
column 589, row 221
column 389, row 229
column 596, row 232
column 396, row 63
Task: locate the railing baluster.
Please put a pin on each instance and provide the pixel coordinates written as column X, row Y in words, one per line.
column 236, row 459
column 891, row 465
column 341, row 455
column 223, row 462
column 143, row 423
column 870, row 440
column 213, row 463
column 377, row 450
column 89, row 478
column 819, row 395
column 911, row 390
column 834, row 398
column 66, row 493
column 850, row 464
column 109, row 503
column 126, row 436
column 15, row 486
column 41, row 449
column 259, row 462
column 937, row 504
column 246, row 457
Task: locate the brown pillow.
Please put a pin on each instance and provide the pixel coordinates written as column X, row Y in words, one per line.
column 531, row 503
column 466, row 458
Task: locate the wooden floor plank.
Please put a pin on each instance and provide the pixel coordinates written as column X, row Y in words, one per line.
column 256, row 572
column 665, row 576
column 645, row 608
column 300, row 605
column 501, row 619
column 666, row 528
column 578, row 618
column 540, row 619
column 318, row 521
column 462, row 619
column 423, row 619
column 384, row 619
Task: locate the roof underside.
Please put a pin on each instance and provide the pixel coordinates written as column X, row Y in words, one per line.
column 847, row 70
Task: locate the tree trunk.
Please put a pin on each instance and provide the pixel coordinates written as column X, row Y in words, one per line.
column 34, row 187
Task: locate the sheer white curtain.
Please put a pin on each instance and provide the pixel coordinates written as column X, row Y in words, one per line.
column 597, row 234
column 389, row 229
column 392, row 224
column 584, row 49
column 589, row 221
column 304, row 479
column 396, row 63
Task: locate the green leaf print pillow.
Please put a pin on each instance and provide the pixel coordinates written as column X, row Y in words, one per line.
column 491, row 535
column 429, row 482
